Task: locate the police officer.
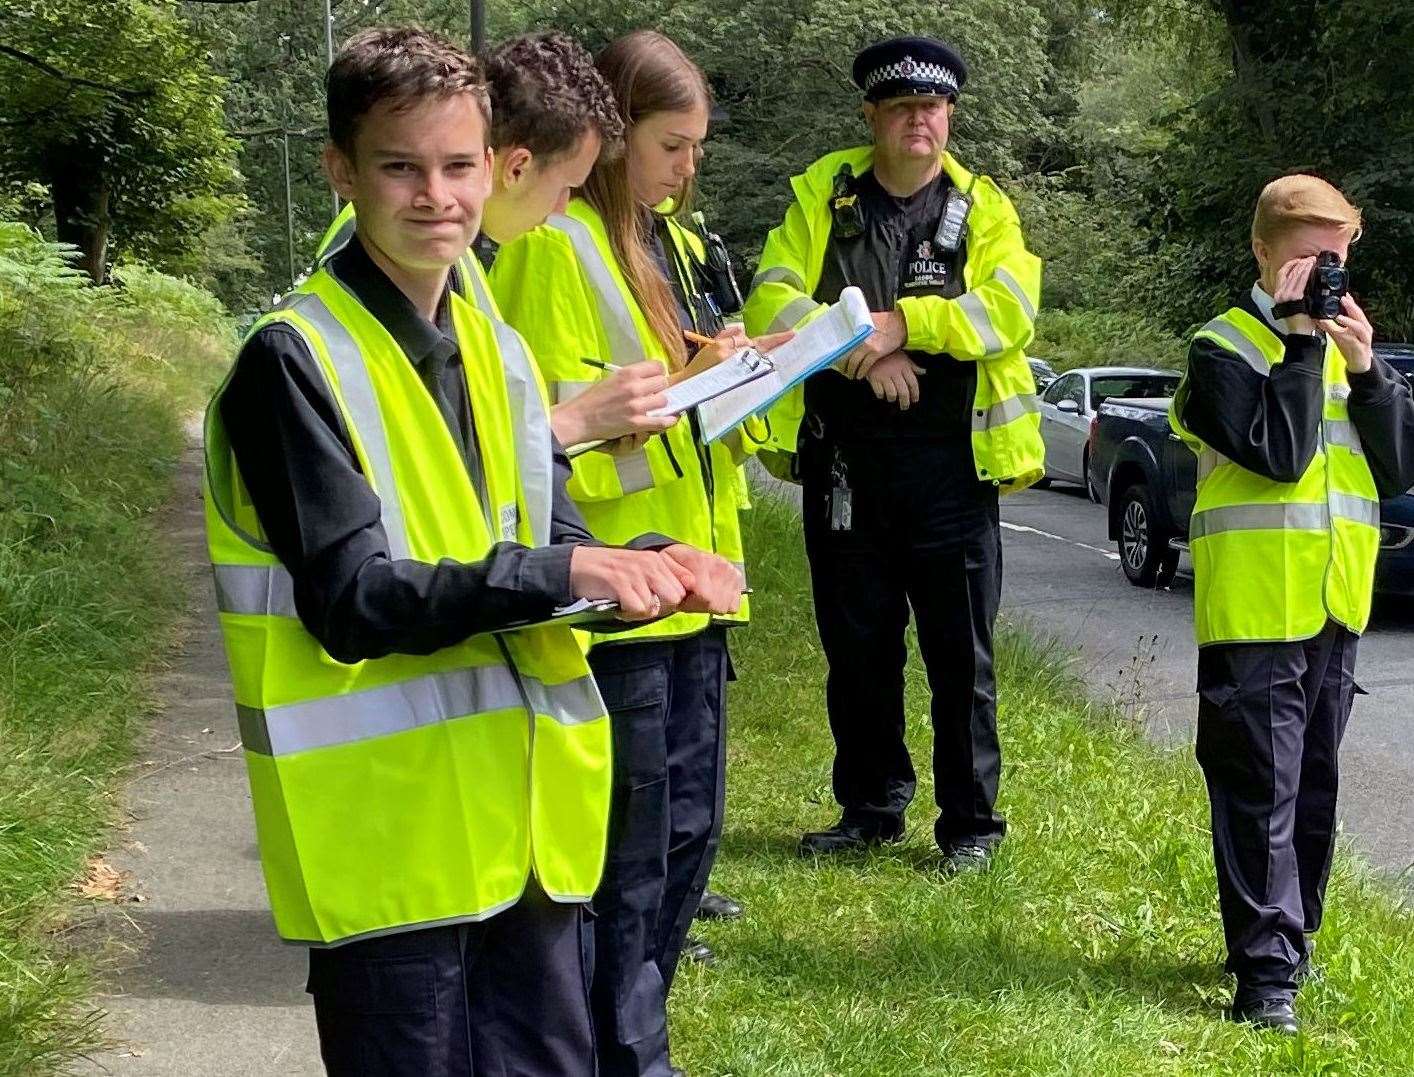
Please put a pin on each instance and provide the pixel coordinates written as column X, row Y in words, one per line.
column 1299, row 430
column 904, row 449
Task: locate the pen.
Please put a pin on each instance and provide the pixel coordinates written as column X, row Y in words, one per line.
column 697, row 338
column 610, row 367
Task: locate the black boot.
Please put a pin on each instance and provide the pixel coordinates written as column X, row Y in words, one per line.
column 697, row 951
column 845, row 836
column 717, row 907
column 967, row 859
column 1272, row 1014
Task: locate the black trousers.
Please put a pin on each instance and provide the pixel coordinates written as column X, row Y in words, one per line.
column 923, row 533
column 1270, row 720
column 505, row 997
column 667, row 706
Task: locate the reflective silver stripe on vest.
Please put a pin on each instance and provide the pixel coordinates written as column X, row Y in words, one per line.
column 1361, row 510
column 478, row 288
column 357, row 390
column 635, row 472
column 976, row 311
column 340, row 240
column 406, row 705
column 1005, row 411
column 633, row 468
column 1251, row 354
column 255, row 589
column 778, row 275
column 1209, row 460
column 1014, row 287
column 560, row 391
column 1343, row 432
column 791, row 314
column 530, row 426
column 1276, row 516
column 571, row 703
column 613, row 311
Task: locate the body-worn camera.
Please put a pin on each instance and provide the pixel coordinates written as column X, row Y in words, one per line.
column 1327, row 285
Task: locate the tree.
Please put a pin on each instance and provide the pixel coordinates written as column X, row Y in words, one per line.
column 115, row 110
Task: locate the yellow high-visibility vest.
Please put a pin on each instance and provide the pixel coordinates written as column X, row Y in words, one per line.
column 991, row 323
column 1273, row 561
column 411, row 790
column 561, row 287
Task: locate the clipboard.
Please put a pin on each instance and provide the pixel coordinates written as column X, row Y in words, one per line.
column 836, row 333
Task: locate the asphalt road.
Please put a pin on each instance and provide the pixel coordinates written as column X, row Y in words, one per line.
column 1062, row 574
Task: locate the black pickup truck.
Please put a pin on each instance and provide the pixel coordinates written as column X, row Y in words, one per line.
column 1146, row 478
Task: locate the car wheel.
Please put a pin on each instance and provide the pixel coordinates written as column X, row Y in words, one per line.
column 1144, row 552
column 1090, row 487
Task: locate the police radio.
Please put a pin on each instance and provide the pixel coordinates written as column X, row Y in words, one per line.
column 844, row 205
column 717, row 272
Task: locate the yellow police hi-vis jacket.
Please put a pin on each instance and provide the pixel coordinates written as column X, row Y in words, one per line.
column 560, row 286
column 1272, row 561
column 407, row 791
column 991, row 323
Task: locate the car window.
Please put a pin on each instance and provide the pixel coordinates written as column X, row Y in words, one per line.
column 1058, row 387
column 1133, row 387
column 1075, row 391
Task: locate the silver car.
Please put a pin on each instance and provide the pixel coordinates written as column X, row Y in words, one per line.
column 1070, row 402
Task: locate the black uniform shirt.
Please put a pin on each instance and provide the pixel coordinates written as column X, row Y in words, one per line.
column 894, row 258
column 323, row 519
column 1269, row 423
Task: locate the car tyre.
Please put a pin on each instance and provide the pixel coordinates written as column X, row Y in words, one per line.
column 1090, row 488
column 1144, row 552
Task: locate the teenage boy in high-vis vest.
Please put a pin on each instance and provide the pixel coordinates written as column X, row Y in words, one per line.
column 383, row 494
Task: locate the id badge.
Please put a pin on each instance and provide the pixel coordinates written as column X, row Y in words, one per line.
column 841, row 508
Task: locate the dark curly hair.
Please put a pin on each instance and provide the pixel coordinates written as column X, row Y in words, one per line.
column 399, row 63
column 546, row 94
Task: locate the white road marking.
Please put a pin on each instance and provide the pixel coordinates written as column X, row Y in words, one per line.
column 1060, row 538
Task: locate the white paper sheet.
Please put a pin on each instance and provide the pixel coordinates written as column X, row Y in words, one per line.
column 835, row 333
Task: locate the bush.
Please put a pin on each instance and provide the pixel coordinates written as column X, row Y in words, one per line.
column 1072, row 338
column 94, row 383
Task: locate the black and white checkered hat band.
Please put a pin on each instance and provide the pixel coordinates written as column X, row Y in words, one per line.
column 911, row 70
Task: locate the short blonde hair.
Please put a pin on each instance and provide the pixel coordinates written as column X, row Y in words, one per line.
column 1291, row 201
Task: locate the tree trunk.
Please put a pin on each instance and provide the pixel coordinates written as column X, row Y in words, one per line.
column 1247, row 68
column 81, row 197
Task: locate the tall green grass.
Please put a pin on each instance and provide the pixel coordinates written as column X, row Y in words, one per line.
column 1092, row 948
column 94, row 383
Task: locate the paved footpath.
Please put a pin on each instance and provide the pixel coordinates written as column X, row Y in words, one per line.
column 208, row 989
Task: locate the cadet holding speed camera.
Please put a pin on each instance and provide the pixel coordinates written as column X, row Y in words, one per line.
column 1299, row 431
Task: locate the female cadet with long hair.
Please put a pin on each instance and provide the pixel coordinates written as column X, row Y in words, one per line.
column 618, row 279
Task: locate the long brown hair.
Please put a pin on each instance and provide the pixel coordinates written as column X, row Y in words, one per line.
column 648, row 74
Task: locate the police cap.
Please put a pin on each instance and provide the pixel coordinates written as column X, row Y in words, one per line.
column 908, row 67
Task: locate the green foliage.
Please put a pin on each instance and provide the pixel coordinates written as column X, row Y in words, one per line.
column 1319, row 87
column 115, row 110
column 94, row 383
column 1072, row 338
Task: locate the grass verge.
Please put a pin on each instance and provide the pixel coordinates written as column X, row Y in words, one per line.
column 1093, row 947
column 87, row 603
